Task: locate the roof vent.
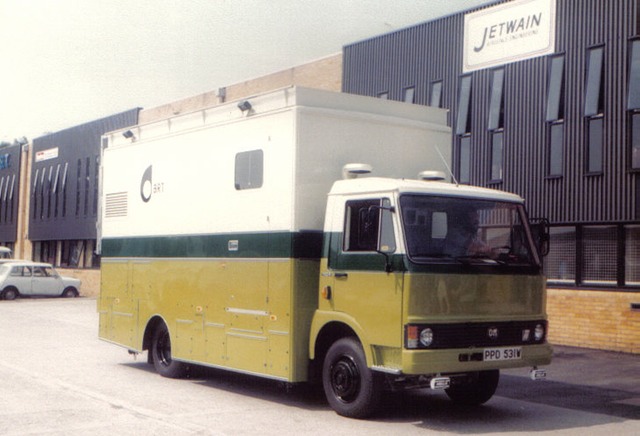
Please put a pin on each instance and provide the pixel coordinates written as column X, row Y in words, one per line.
column 432, row 176
column 353, row 170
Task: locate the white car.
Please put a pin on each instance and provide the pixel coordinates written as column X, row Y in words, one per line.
column 34, row 279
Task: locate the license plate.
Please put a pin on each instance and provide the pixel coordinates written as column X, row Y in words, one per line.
column 498, row 354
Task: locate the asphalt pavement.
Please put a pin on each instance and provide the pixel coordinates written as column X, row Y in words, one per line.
column 583, row 379
column 58, row 379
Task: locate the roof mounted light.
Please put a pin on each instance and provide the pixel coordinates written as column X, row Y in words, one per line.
column 432, row 176
column 353, row 170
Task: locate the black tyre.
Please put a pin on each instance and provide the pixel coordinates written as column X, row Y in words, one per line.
column 161, row 352
column 70, row 292
column 477, row 390
column 351, row 388
column 10, row 294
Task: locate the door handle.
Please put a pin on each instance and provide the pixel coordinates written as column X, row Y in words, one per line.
column 341, row 275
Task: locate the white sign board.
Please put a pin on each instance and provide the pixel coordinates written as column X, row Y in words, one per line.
column 508, row 32
column 43, row 155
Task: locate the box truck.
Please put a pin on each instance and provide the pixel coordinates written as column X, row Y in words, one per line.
column 304, row 235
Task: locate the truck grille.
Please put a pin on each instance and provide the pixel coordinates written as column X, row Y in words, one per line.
column 477, row 335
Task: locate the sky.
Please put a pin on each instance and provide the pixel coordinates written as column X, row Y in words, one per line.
column 68, row 62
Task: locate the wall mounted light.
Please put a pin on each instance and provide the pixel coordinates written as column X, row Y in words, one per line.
column 128, row 134
column 244, row 106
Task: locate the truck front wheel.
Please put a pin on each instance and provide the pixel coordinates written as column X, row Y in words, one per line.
column 161, row 352
column 478, row 389
column 351, row 388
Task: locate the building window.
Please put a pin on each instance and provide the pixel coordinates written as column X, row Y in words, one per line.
column 465, row 159
column 632, row 255
column 555, row 95
column 633, row 104
column 599, row 255
column 409, row 95
column 435, row 94
column 593, row 109
column 463, row 122
column 633, row 99
column 34, row 195
column 249, row 170
column 496, row 156
column 96, row 184
column 595, row 140
column 560, row 263
column 556, row 149
column 64, row 189
column 635, row 140
column 56, row 192
column 555, row 117
column 593, row 104
column 496, row 106
column 78, row 185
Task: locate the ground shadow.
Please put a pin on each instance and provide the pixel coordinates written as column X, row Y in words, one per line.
column 432, row 410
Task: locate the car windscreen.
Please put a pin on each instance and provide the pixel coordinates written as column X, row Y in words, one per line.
column 463, row 230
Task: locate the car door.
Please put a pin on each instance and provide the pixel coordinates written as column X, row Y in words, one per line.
column 20, row 277
column 45, row 281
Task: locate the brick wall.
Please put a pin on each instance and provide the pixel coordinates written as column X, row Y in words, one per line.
column 325, row 73
column 594, row 319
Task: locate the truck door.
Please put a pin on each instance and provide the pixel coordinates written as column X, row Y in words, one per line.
column 365, row 284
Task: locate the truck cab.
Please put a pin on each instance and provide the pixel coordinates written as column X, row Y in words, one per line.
column 429, row 283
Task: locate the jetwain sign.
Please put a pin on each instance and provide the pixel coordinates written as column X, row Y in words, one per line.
column 509, row 32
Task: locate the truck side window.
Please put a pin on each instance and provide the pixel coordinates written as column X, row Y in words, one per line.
column 361, row 225
column 249, row 169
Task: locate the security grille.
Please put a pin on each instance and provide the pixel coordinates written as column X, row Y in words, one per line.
column 560, row 264
column 632, row 255
column 600, row 255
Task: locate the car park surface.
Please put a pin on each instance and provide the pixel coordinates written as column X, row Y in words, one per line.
column 59, row 379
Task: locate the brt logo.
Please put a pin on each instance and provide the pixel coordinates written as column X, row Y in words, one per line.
column 147, row 187
column 146, row 184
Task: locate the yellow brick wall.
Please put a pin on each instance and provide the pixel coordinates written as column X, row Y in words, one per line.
column 594, row 319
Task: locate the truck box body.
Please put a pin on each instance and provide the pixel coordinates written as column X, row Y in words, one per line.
column 212, row 222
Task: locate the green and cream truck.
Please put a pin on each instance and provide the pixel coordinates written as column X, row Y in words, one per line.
column 304, row 235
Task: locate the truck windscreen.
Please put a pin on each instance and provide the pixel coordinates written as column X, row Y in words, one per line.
column 466, row 231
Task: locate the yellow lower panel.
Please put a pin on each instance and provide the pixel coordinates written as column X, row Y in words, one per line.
column 247, row 315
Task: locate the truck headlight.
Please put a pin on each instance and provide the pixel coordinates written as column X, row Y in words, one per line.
column 418, row 336
column 538, row 333
column 426, row 337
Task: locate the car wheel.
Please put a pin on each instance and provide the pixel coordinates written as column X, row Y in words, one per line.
column 351, row 388
column 161, row 352
column 70, row 292
column 478, row 389
column 10, row 294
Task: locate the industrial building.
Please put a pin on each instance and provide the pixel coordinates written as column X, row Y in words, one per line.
column 544, row 101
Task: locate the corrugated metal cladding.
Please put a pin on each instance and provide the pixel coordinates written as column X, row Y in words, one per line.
column 430, row 52
column 10, row 161
column 64, row 179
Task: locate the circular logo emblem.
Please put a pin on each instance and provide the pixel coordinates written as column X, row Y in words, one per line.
column 146, row 184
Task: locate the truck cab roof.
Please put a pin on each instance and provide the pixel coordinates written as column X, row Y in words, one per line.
column 382, row 184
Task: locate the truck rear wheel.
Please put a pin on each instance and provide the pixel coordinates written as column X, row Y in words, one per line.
column 161, row 352
column 351, row 388
column 477, row 390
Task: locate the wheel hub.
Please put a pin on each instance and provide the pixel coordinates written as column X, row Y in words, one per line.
column 345, row 379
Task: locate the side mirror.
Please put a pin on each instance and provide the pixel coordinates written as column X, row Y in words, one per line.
column 541, row 235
